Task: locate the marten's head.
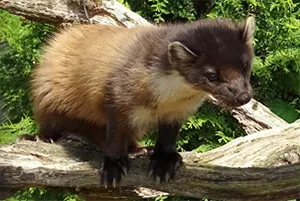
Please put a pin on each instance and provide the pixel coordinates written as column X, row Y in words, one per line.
column 216, row 56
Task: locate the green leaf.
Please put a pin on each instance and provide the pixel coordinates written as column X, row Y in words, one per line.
column 284, row 110
column 253, row 2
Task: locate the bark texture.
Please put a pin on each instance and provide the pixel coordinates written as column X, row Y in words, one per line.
column 254, row 117
column 261, row 166
column 73, row 11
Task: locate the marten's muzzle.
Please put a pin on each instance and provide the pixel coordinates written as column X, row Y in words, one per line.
column 233, row 94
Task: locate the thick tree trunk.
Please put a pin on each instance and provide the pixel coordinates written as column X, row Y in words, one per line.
column 261, row 166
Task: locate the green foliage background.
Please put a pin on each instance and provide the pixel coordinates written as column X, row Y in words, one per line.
column 275, row 77
column 20, row 42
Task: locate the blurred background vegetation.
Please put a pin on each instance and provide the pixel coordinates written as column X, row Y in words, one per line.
column 275, row 76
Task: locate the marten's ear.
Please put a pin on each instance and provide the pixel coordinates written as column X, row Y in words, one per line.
column 178, row 52
column 248, row 30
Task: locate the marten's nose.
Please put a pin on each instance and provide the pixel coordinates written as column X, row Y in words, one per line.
column 243, row 98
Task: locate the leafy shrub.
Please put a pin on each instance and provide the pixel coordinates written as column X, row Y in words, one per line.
column 276, row 73
column 41, row 194
column 20, row 42
column 163, row 10
column 10, row 131
column 211, row 127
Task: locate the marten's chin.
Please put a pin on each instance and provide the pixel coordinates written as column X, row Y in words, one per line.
column 230, row 104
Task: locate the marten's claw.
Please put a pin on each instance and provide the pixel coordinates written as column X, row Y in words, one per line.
column 38, row 139
column 105, row 184
column 167, row 177
column 112, row 170
column 114, row 182
column 157, row 180
column 125, row 170
column 150, row 173
column 163, row 166
column 34, row 138
column 27, row 137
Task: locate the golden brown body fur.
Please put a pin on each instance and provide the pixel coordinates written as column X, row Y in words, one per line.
column 112, row 84
column 75, row 68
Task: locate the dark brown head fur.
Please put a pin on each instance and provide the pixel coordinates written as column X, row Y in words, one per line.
column 216, row 56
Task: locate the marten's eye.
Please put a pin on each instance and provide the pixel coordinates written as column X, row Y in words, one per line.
column 212, row 77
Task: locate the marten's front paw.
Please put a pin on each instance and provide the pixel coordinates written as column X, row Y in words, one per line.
column 163, row 166
column 112, row 169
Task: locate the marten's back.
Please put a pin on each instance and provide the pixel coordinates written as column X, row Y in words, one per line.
column 74, row 69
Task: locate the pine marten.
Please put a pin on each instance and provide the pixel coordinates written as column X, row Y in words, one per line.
column 112, row 84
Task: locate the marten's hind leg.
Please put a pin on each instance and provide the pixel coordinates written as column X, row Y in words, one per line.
column 52, row 127
column 49, row 130
column 136, row 149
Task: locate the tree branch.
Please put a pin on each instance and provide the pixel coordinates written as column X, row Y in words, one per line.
column 254, row 117
column 72, row 11
column 261, row 166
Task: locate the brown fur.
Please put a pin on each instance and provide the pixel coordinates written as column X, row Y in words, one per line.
column 90, row 71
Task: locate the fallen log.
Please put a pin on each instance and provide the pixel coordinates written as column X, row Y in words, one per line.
column 261, row 166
